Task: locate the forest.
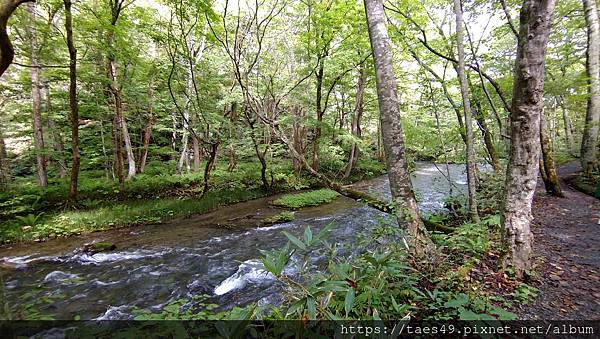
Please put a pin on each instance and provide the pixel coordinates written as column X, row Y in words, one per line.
column 427, row 160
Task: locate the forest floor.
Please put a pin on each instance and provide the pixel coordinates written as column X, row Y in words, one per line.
column 567, row 252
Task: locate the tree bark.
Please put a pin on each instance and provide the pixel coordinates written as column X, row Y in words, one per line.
column 547, row 162
column 464, row 90
column 147, row 129
column 487, row 137
column 73, row 103
column 527, row 108
column 128, row 148
column 298, row 136
column 38, row 129
column 4, row 165
column 57, row 142
column 319, row 109
column 356, row 117
column 407, row 210
column 184, row 158
column 589, row 143
column 568, row 127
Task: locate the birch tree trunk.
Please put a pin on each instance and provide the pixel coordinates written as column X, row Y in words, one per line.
column 527, row 108
column 128, row 148
column 356, row 117
column 407, row 211
column 464, row 90
column 36, row 97
column 589, row 143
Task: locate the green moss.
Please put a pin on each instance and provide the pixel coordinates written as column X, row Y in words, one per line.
column 304, row 199
column 96, row 247
column 285, row 216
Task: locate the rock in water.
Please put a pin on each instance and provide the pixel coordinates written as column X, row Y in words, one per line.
column 97, row 247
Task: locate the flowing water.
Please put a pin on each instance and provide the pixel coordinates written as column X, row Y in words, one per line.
column 156, row 264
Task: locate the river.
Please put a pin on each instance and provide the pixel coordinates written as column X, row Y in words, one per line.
column 156, row 264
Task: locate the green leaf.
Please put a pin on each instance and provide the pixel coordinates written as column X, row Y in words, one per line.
column 324, row 232
column 349, row 301
column 308, row 236
column 468, row 315
column 294, row 307
column 295, row 241
column 462, row 300
column 311, row 307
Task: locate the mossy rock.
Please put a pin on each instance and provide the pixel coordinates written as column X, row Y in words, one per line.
column 285, row 216
column 305, row 199
column 97, row 247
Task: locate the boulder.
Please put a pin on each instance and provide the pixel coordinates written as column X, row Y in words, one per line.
column 97, row 247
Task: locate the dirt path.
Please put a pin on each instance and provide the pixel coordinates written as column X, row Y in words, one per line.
column 567, row 248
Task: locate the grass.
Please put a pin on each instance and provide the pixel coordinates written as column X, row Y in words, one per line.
column 305, row 199
column 139, row 212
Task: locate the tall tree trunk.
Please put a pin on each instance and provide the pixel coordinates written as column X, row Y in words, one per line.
column 527, row 108
column 57, row 142
column 210, row 164
column 568, row 127
column 589, row 143
column 547, row 161
column 128, row 149
column 73, row 104
column 184, row 158
column 464, row 90
column 117, row 123
column 319, row 109
column 298, row 136
column 4, row 165
column 407, row 210
column 487, row 137
column 356, row 117
column 38, row 129
column 174, row 132
column 147, row 129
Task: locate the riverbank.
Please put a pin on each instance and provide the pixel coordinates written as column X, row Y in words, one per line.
column 35, row 215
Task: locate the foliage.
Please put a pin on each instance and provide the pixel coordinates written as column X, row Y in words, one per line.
column 381, row 284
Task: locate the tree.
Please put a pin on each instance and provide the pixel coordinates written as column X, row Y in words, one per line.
column 7, row 52
column 464, row 90
column 73, row 103
column 527, row 108
column 393, row 141
column 589, row 143
column 36, row 98
column 120, row 131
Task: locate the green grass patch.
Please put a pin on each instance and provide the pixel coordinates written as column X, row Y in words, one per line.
column 305, row 199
